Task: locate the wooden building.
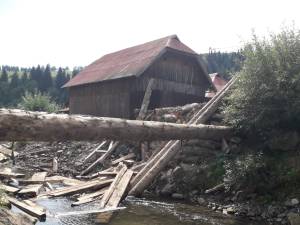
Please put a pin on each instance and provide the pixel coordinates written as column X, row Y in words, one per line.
column 115, row 84
column 218, row 81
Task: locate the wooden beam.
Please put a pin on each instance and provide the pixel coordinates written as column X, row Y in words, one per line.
column 129, row 156
column 146, row 100
column 99, row 161
column 112, row 186
column 33, row 211
column 120, row 189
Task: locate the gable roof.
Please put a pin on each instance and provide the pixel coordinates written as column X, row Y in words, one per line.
column 128, row 62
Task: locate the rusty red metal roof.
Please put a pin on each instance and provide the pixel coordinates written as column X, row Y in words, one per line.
column 127, row 62
column 218, row 82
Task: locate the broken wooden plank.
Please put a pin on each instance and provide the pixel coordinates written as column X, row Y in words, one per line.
column 88, row 212
column 87, row 186
column 93, row 195
column 129, row 156
column 7, row 173
column 120, row 189
column 146, row 99
column 87, row 198
column 7, row 152
column 101, row 159
column 40, row 176
column 65, row 180
column 33, row 211
column 31, row 190
column 34, row 205
column 112, row 187
column 8, row 189
column 94, row 151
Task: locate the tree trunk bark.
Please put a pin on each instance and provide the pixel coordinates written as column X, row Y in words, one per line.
column 19, row 125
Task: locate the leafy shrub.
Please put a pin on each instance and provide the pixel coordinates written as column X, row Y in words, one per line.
column 38, row 102
column 267, row 92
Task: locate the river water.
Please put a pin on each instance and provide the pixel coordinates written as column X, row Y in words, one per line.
column 138, row 212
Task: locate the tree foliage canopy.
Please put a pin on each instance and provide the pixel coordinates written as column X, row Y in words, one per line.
column 267, row 92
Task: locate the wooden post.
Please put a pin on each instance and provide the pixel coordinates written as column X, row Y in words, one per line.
column 146, row 100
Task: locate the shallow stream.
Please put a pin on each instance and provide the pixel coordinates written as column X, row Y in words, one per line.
column 139, row 212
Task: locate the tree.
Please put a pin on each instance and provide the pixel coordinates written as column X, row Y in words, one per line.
column 38, row 102
column 4, row 76
column 46, row 82
column 267, row 93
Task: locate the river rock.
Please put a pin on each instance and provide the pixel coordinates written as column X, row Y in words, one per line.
column 294, row 218
column 201, row 201
column 167, row 190
column 9, row 218
column 177, row 196
column 292, row 202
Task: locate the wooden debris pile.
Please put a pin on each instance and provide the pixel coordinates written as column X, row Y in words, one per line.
column 114, row 173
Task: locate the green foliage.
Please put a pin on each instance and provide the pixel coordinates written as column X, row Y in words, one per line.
column 15, row 81
column 38, row 102
column 223, row 63
column 267, row 92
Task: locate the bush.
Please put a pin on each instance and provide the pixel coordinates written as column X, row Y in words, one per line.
column 38, row 102
column 267, row 92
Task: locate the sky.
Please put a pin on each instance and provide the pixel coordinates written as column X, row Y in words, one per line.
column 77, row 32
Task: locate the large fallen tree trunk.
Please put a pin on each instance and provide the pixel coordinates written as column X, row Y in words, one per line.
column 19, row 125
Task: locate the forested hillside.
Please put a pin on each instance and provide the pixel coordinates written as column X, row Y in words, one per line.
column 224, row 63
column 15, row 82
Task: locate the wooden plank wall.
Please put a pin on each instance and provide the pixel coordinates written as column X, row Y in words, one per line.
column 178, row 81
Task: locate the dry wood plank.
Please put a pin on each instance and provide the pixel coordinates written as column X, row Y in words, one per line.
column 87, row 198
column 120, row 190
column 40, row 176
column 88, row 212
column 34, row 205
column 85, row 201
column 8, row 189
column 65, row 180
column 36, row 212
column 94, row 151
column 7, row 152
column 7, row 173
column 102, row 158
column 112, row 187
column 87, row 186
column 129, row 156
column 146, row 100
column 31, row 190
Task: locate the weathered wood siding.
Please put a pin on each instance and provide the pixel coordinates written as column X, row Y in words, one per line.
column 110, row 99
column 178, row 81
